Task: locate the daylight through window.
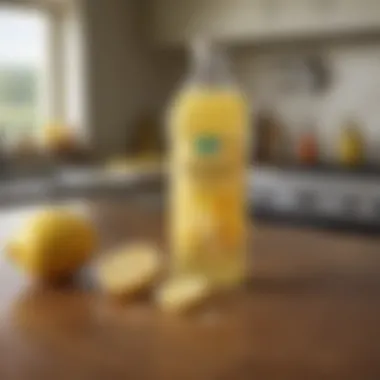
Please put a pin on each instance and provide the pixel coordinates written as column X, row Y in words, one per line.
column 23, row 56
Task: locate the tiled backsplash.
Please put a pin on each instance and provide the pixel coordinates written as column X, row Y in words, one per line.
column 353, row 92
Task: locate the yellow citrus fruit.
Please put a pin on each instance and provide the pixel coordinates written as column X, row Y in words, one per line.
column 129, row 270
column 52, row 244
column 179, row 295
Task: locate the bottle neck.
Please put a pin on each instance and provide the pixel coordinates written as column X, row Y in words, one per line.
column 209, row 68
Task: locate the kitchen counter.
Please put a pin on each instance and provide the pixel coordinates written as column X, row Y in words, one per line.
column 291, row 196
column 73, row 182
column 310, row 310
column 337, row 171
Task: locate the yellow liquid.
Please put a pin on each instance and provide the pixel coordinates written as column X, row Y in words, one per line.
column 208, row 184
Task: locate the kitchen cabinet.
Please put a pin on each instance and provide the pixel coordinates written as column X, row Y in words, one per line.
column 177, row 22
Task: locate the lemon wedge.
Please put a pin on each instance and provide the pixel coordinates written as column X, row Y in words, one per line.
column 129, row 270
column 182, row 294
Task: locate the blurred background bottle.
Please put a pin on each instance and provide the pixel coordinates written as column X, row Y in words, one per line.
column 351, row 145
column 307, row 148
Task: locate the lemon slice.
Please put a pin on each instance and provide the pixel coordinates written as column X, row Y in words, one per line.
column 129, row 270
column 183, row 294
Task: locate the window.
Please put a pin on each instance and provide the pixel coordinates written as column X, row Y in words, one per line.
column 23, row 63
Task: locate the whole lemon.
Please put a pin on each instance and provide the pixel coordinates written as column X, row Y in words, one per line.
column 52, row 244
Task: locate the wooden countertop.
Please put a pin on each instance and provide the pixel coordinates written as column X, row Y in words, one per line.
column 311, row 311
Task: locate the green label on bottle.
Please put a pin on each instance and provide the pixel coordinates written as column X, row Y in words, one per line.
column 207, row 145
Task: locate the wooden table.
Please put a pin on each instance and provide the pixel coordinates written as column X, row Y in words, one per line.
column 311, row 311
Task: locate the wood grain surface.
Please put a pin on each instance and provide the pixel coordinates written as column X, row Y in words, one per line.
column 310, row 311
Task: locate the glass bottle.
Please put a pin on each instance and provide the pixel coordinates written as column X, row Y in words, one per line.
column 208, row 129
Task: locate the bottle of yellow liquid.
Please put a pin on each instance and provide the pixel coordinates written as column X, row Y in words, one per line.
column 351, row 146
column 208, row 123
